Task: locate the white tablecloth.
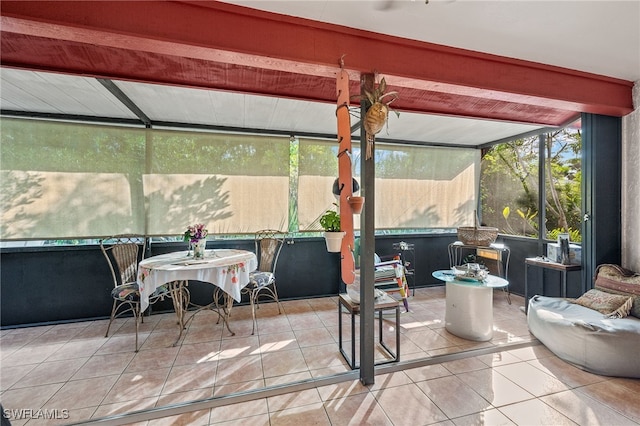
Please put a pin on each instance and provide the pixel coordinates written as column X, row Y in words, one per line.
column 226, row 268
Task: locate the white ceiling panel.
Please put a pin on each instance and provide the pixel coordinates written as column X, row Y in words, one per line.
column 74, row 95
column 58, row 94
column 597, row 36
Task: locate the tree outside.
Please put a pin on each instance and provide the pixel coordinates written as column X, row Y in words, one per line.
column 509, row 185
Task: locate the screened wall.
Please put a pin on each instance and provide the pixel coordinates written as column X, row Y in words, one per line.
column 62, row 180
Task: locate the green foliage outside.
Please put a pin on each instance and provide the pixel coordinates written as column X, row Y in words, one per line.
column 510, row 185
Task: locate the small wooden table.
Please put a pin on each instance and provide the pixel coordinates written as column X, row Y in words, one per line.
column 383, row 303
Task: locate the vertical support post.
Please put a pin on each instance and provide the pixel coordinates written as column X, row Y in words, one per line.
column 542, row 194
column 367, row 244
column 347, row 261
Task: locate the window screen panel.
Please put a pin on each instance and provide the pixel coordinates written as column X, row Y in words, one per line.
column 62, row 180
column 231, row 183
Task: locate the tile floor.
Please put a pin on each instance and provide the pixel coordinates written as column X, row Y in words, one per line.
column 72, row 372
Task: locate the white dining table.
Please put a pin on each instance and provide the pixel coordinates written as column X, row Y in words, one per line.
column 226, row 269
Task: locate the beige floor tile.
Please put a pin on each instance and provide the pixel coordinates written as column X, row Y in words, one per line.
column 531, row 353
column 296, row 306
column 535, row 412
column 498, row 358
column 305, row 321
column 323, row 356
column 313, row 337
column 569, row 374
column 112, row 409
column 32, row 398
column 239, row 369
column 488, row 417
column 95, row 329
column 463, row 365
column 342, row 390
column 227, row 389
column 287, row 378
column 240, row 346
column 408, row 405
column 313, row 414
column 83, row 393
column 204, row 333
column 210, row 362
column 30, row 354
column 621, row 395
column 531, row 379
column 584, row 410
column 239, row 411
column 184, row 378
column 151, row 359
column 104, row 365
column 259, row 420
column 121, row 343
column 192, row 418
column 429, row 340
column 272, row 323
column 51, row 372
column 78, row 348
column 12, row 340
column 132, row 386
column 358, row 409
column 453, row 396
column 390, row 380
column 12, row 374
column 160, row 339
column 494, row 387
column 427, row 372
column 283, row 362
column 180, row 397
column 294, row 399
column 198, row 353
column 273, row 342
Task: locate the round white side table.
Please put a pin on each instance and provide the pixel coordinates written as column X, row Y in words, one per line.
column 469, row 312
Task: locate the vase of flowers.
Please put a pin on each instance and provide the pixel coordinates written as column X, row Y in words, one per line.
column 196, row 235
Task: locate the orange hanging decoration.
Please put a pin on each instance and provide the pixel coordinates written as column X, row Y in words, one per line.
column 345, row 184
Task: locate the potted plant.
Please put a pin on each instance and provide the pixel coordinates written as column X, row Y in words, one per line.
column 330, row 222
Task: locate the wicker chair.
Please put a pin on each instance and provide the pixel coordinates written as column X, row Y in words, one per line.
column 262, row 281
column 123, row 252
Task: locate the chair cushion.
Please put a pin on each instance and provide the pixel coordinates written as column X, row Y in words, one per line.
column 261, row 279
column 127, row 291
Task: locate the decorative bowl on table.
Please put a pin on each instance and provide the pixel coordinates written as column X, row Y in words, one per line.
column 470, row 272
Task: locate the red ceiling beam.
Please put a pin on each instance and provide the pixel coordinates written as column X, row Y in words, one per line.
column 227, row 34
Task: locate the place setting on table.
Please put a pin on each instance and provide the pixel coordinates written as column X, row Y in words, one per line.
column 226, row 269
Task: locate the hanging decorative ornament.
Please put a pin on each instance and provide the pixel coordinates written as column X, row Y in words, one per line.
column 378, row 113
